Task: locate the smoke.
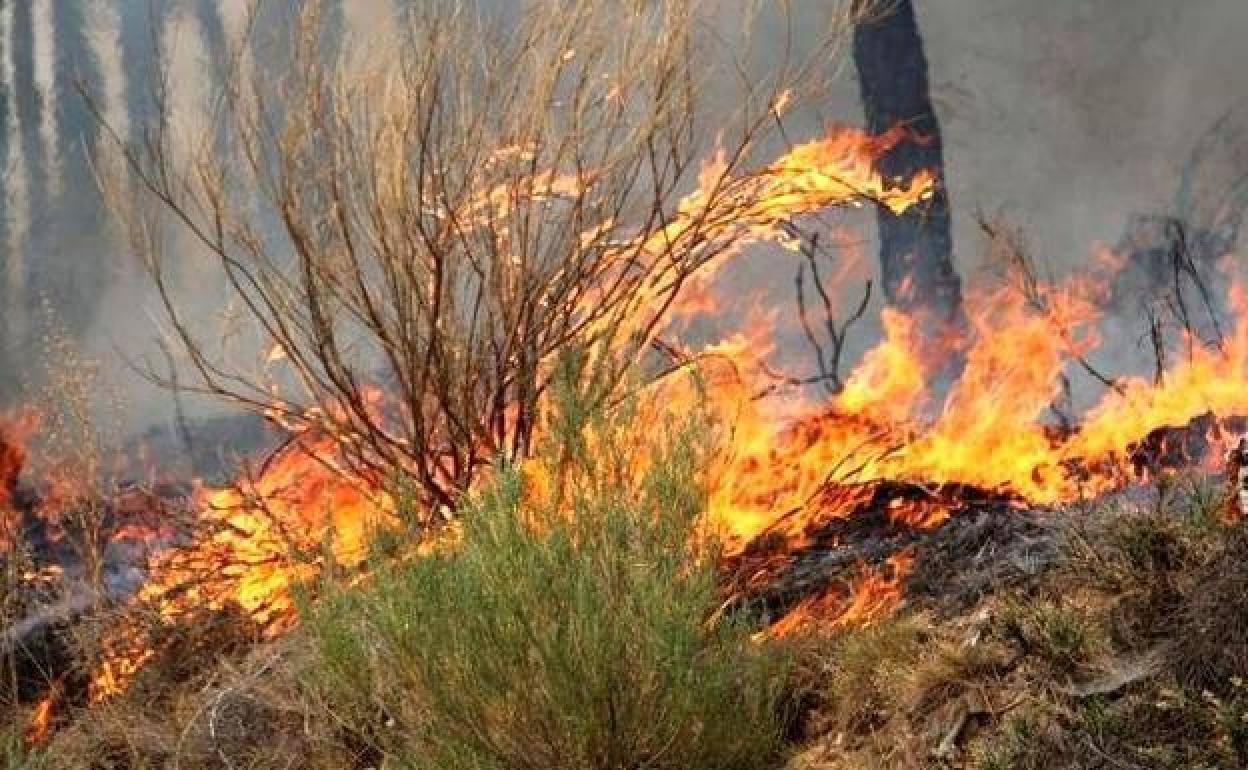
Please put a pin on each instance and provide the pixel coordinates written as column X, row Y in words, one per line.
column 186, row 61
column 17, row 183
column 369, row 22
column 1068, row 118
column 48, row 87
column 235, row 17
column 104, row 37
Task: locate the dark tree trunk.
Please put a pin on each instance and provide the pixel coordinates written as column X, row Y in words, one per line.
column 916, row 248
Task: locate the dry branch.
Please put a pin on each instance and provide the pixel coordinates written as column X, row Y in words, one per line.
column 440, row 223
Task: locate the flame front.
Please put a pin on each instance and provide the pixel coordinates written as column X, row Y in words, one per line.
column 784, row 463
column 989, row 432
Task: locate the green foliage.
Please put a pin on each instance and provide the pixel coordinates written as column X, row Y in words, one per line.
column 572, row 627
column 14, row 756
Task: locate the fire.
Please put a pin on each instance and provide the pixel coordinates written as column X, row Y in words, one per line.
column 876, row 594
column 1209, row 381
column 15, row 432
column 727, row 213
column 785, row 464
column 122, row 660
column 268, row 534
column 40, row 725
column 989, row 432
column 306, row 511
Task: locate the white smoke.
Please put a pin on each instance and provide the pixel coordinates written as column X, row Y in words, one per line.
column 18, row 186
column 104, row 39
column 43, row 35
column 236, row 16
column 368, row 30
column 187, row 63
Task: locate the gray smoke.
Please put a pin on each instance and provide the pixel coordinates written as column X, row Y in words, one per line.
column 1069, row 118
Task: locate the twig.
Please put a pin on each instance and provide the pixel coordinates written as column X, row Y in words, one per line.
column 1029, row 286
column 1184, row 264
column 1157, row 339
column 829, row 363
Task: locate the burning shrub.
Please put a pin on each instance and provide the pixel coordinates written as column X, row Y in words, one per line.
column 438, row 217
column 573, row 628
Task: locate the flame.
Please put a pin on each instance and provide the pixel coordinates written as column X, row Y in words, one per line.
column 261, row 538
column 877, row 594
column 728, row 212
column 785, row 464
column 874, row 595
column 16, row 429
column 121, row 660
column 1209, row 381
column 306, row 511
column 990, row 431
column 270, row 533
column 39, row 726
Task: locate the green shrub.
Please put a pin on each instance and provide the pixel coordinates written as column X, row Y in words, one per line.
column 574, row 628
column 14, row 756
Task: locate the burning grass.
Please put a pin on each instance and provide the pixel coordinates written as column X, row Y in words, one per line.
column 572, row 623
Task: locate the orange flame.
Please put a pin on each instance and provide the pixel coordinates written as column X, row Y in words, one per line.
column 784, row 463
column 876, row 594
column 271, row 533
column 39, row 726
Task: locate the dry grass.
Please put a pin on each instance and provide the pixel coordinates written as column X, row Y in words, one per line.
column 251, row 711
column 1129, row 651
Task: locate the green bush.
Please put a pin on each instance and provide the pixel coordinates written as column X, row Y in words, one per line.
column 14, row 756
column 572, row 628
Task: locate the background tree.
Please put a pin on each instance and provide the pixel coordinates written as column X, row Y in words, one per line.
column 916, row 246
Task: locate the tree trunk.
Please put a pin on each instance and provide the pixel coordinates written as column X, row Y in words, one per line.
column 916, row 248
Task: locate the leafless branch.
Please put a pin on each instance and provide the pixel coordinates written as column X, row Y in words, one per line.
column 1023, row 269
column 437, row 219
column 829, row 363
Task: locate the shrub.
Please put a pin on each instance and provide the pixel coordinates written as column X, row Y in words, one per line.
column 14, row 756
column 572, row 627
column 441, row 213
